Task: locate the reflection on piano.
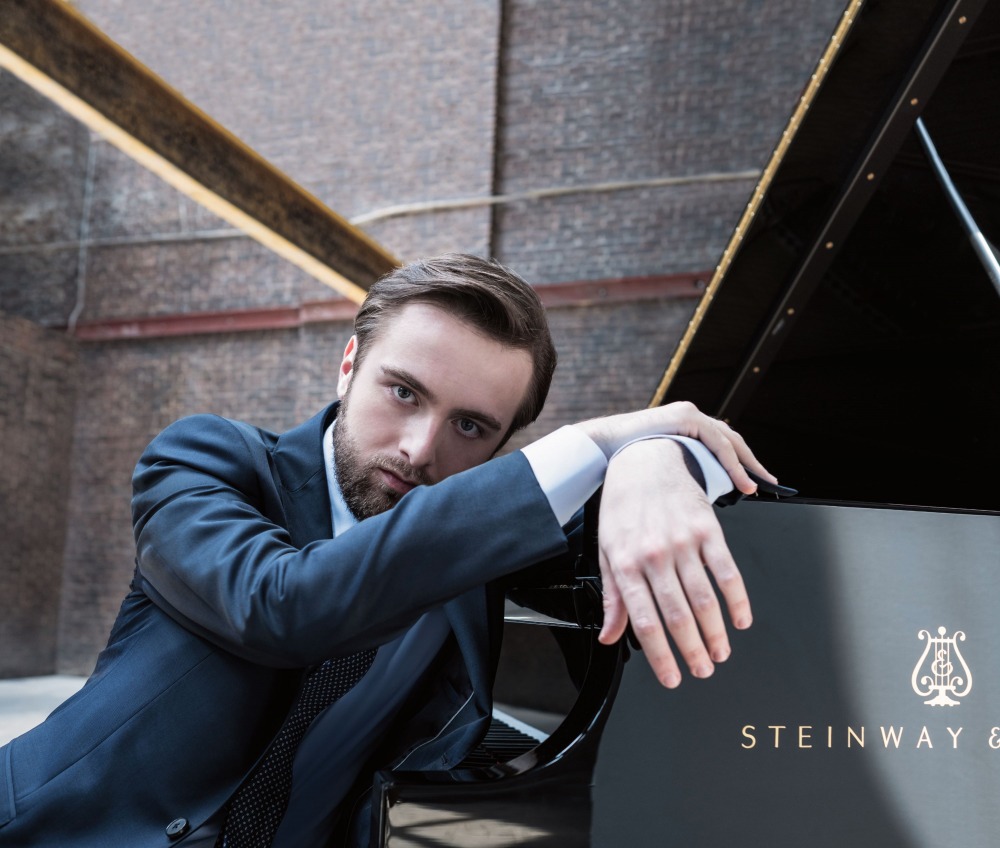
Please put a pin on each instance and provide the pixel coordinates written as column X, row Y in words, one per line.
column 852, row 334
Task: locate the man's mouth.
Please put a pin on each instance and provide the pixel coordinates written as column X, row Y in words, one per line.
column 399, row 485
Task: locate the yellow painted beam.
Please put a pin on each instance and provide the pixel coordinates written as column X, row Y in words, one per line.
column 53, row 48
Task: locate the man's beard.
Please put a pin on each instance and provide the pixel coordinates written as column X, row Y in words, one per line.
column 360, row 482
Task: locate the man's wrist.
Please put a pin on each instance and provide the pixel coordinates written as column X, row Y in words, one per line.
column 608, row 434
column 713, row 479
column 568, row 466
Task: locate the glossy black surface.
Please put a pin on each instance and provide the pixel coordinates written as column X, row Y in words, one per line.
column 883, row 385
column 818, row 731
column 541, row 798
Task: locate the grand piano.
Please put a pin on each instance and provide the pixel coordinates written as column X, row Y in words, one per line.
column 852, row 333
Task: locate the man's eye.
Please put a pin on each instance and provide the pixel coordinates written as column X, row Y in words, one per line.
column 402, row 392
column 468, row 427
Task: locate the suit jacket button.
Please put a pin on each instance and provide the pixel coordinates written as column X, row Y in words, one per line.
column 177, row 828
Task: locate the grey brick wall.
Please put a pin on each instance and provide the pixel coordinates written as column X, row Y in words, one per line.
column 37, row 393
column 366, row 104
column 388, row 102
column 43, row 160
column 636, row 90
column 363, row 104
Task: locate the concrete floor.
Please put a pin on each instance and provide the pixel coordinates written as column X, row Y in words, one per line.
column 25, row 702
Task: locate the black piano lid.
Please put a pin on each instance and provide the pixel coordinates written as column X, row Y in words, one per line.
column 850, row 332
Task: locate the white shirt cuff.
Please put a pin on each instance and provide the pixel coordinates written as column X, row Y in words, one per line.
column 569, row 468
column 717, row 482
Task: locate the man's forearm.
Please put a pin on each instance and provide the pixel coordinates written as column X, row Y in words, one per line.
column 613, row 432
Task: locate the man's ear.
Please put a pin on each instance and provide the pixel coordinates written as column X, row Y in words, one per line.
column 347, row 366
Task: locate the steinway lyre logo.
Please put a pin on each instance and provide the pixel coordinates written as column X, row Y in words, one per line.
column 936, row 673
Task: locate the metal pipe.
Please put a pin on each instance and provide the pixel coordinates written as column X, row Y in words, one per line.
column 984, row 250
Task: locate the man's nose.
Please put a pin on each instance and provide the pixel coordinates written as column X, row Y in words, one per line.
column 419, row 441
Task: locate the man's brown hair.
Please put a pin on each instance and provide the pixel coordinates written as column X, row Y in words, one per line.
column 491, row 298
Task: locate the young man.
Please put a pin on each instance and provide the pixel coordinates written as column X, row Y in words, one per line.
column 311, row 606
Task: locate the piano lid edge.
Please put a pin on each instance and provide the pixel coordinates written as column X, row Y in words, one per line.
column 812, row 88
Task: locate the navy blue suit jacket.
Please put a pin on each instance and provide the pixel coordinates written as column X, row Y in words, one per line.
column 238, row 587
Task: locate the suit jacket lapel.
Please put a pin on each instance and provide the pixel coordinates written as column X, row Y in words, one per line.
column 301, row 475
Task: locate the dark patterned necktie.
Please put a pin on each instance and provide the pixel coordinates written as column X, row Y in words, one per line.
column 259, row 804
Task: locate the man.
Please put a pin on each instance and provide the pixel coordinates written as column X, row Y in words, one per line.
column 357, row 550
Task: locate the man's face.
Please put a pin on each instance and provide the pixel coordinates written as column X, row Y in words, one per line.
column 432, row 397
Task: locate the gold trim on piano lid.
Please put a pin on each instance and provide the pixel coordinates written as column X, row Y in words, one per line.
column 805, row 101
column 51, row 39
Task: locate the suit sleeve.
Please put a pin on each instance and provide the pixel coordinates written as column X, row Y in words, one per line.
column 211, row 558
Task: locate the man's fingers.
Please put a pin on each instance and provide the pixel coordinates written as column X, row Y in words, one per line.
column 729, row 447
column 649, row 632
column 646, row 624
column 745, row 455
column 615, row 614
column 688, row 606
column 727, row 575
column 720, row 439
column 671, row 593
column 660, row 545
column 713, row 642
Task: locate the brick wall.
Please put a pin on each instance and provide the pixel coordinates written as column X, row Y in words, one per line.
column 366, row 105
column 37, row 369
column 43, row 162
column 392, row 102
column 634, row 90
column 363, row 104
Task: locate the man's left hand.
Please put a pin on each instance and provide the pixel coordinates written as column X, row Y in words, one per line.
column 658, row 539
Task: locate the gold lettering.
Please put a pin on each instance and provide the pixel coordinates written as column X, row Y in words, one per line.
column 893, row 734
